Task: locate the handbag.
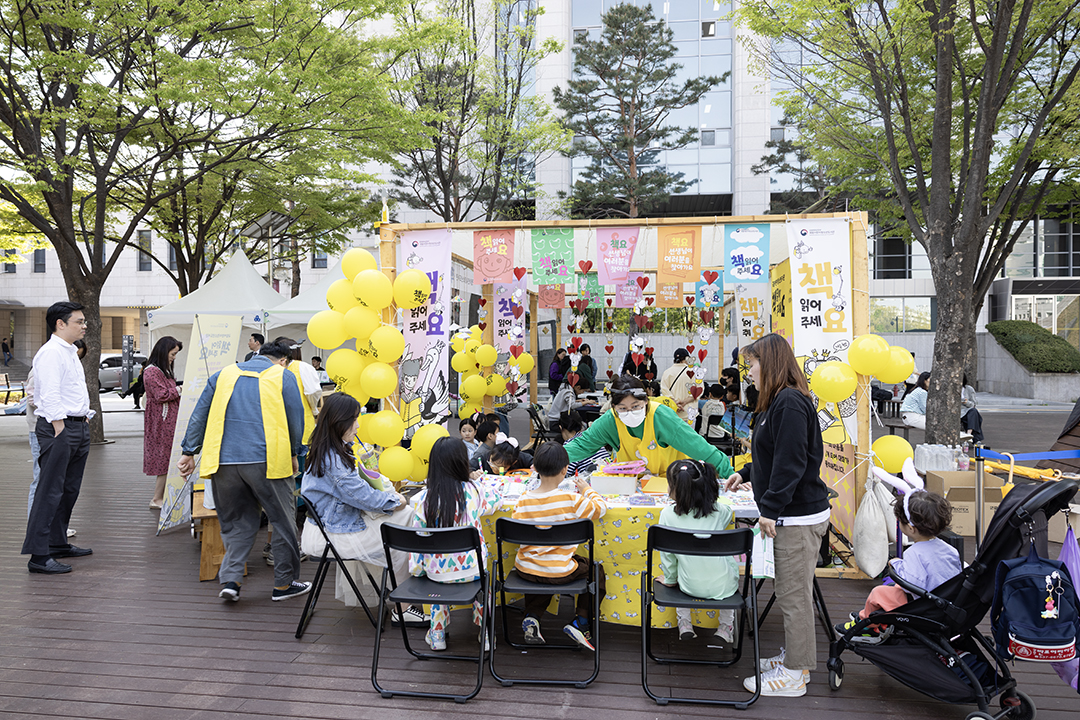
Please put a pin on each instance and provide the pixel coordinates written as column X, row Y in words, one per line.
column 871, row 536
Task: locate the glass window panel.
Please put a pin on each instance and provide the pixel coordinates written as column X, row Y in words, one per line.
column 680, row 10
column 1021, row 262
column 917, row 315
column 708, row 29
column 683, row 117
column 723, row 138
column 1044, row 311
column 686, row 48
column 690, row 175
column 715, row 8
column 715, row 154
column 585, row 12
column 39, row 261
column 716, row 46
column 886, row 315
column 714, row 110
column 687, row 70
column 1068, row 318
column 684, row 30
column 1021, row 308
column 708, row 138
column 715, row 179
column 685, row 156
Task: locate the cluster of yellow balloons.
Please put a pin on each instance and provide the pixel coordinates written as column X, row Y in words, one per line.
column 469, row 359
column 398, row 464
column 867, row 355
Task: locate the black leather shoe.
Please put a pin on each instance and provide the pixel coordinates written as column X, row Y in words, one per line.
column 69, row 551
column 51, row 567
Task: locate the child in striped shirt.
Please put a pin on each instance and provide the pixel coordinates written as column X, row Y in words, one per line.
column 556, row 565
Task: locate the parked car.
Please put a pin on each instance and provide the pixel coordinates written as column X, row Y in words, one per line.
column 110, row 369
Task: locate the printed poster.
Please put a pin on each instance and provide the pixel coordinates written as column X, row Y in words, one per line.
column 214, row 342
column 553, row 256
column 669, row 295
column 551, row 297
column 836, row 473
column 510, row 301
column 423, row 370
column 588, row 288
column 678, row 254
column 615, row 252
column 709, row 290
column 629, row 292
column 746, row 254
column 781, row 300
column 493, row 256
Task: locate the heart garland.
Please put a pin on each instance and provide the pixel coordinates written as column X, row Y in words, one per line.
column 585, row 265
column 516, row 350
column 710, row 276
column 689, row 299
column 642, row 282
column 575, row 342
column 518, row 311
column 701, row 354
column 519, row 272
column 482, row 301
column 695, row 391
column 609, row 348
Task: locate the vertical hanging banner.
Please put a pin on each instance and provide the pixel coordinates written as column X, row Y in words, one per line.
column 614, row 253
column 678, row 254
column 753, row 311
column 746, row 254
column 509, row 309
column 493, row 256
column 669, row 295
column 629, row 292
column 552, row 297
column 588, row 288
column 781, row 300
column 553, row 256
column 709, row 290
column 423, row 370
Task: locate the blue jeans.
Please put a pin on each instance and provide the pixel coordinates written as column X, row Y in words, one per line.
column 35, row 451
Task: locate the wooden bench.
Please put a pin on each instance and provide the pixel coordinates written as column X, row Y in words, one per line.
column 896, row 424
column 7, row 388
column 213, row 549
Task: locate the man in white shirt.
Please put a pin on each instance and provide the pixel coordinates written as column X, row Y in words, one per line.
column 63, row 432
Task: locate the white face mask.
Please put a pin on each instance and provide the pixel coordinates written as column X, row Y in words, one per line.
column 632, row 418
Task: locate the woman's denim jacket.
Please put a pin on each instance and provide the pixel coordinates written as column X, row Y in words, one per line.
column 341, row 496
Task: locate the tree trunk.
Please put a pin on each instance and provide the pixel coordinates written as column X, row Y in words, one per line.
column 295, row 246
column 88, row 294
column 952, row 344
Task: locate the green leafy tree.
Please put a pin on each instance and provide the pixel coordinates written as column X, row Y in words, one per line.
column 486, row 127
column 965, row 111
column 108, row 108
column 618, row 107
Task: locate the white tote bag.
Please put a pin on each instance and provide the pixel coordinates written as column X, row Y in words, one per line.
column 871, row 538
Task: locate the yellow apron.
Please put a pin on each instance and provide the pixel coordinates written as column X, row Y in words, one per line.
column 309, row 414
column 648, row 448
column 275, row 422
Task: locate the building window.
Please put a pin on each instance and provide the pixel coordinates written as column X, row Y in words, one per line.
column 318, row 259
column 708, row 29
column 145, row 263
column 172, row 257
column 777, row 134
column 39, row 261
column 903, row 314
column 708, row 137
column 9, row 267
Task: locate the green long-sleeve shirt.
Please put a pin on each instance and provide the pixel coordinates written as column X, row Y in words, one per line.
column 670, row 431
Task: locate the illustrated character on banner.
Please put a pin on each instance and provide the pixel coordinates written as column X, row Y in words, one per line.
column 425, row 394
column 414, row 260
column 518, row 296
column 495, row 262
column 838, row 301
column 801, row 248
column 703, row 334
column 552, row 294
column 711, row 294
column 830, row 420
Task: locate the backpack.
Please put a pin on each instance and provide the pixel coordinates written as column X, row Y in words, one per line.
column 1034, row 614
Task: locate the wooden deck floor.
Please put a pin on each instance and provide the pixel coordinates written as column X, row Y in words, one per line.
column 131, row 633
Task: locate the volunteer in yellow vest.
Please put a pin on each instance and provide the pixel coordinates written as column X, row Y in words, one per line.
column 249, row 424
column 639, row 429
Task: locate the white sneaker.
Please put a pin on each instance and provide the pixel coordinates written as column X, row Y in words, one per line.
column 414, row 617
column 726, row 632
column 686, row 628
column 71, row 532
column 769, row 664
column 779, row 682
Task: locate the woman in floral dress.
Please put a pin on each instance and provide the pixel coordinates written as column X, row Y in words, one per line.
column 159, row 419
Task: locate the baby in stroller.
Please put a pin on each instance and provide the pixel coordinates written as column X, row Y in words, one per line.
column 929, row 561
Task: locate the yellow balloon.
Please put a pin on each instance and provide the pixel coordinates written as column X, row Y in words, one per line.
column 386, row 428
column 524, row 361
column 373, row 289
column 356, row 261
column 345, row 365
column 471, row 372
column 425, row 437
column 412, row 288
column 869, row 354
column 457, row 343
column 471, row 346
column 364, row 430
column 468, row 410
column 379, row 380
column 474, row 388
column 901, row 365
column 475, row 332
column 496, row 385
column 890, row 452
column 355, row 388
column 396, row 463
column 363, row 349
column 360, row 322
column 486, row 355
column 833, row 381
column 339, row 296
column 326, row 329
column 386, row 344
column 420, row 468
column 461, row 362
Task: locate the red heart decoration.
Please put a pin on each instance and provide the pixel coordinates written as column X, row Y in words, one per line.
column 649, row 325
column 707, row 316
column 575, row 343
column 482, row 301
column 649, row 350
column 572, row 378
column 695, row 391
column 649, row 376
column 610, row 325
column 585, row 265
column 689, row 373
column 649, row 300
column 518, row 311
column 638, row 358
column 609, row 348
column 609, row 302
column 689, row 299
column 519, row 272
column 516, row 350
column 512, row 387
column 689, row 348
column 610, row 374
column 640, row 320
column 710, row 276
column 482, row 326
column 642, row 282
column 570, row 328
column 701, row 354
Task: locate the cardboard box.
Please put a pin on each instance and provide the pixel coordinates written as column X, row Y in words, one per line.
column 1056, row 527
column 962, row 500
column 941, row 482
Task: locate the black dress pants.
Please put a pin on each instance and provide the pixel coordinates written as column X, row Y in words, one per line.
column 62, row 461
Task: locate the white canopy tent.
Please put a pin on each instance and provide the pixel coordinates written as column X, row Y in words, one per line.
column 237, row 290
column 290, row 318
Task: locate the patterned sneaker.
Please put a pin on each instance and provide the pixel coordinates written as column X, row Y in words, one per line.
column 870, row 631
column 436, row 639
column 776, row 661
column 726, row 631
column 531, row 627
column 414, row 617
column 686, row 629
column 779, row 682
column 231, row 591
column 296, row 589
column 579, row 634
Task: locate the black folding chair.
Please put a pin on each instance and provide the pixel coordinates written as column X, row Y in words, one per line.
column 724, row 443
column 417, row 590
column 320, row 574
column 715, row 543
column 571, row 532
column 541, row 432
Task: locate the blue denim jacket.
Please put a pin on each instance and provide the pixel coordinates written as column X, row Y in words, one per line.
column 243, row 439
column 341, row 495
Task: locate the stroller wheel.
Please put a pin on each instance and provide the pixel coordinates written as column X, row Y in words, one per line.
column 1023, row 710
column 979, row 715
column 836, row 673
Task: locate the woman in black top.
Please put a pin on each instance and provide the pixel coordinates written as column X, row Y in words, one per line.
column 793, row 503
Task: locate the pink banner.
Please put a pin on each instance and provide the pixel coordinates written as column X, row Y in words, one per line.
column 552, row 297
column 615, row 252
column 628, row 292
column 509, row 311
column 493, row 256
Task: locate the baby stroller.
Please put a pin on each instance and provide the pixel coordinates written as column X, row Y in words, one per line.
column 933, row 644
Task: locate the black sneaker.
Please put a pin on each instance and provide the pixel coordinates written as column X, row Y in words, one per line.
column 414, row 617
column 231, row 591
column 295, row 590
